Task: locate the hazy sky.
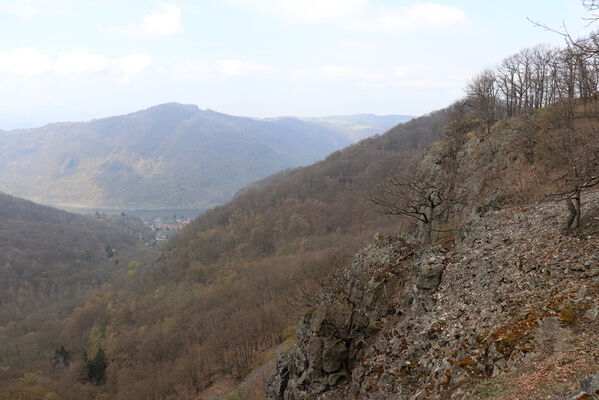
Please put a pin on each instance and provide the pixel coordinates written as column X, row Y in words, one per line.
column 76, row 60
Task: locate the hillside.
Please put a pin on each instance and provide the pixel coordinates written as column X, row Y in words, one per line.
column 166, row 157
column 466, row 316
column 507, row 294
column 481, row 281
column 227, row 287
column 514, row 300
column 210, row 313
column 51, row 261
column 214, row 307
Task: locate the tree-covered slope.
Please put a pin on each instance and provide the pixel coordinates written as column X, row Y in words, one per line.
column 227, row 287
column 168, row 156
column 50, row 262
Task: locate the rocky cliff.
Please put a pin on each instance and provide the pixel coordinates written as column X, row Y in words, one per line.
column 408, row 321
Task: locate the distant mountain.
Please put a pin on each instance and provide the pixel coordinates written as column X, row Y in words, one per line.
column 167, row 156
column 360, row 126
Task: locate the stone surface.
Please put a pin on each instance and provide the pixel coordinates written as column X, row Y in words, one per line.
column 338, row 378
column 412, row 321
column 592, row 312
column 428, row 275
column 590, row 385
column 334, row 354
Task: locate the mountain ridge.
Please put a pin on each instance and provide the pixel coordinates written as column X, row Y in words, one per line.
column 168, row 156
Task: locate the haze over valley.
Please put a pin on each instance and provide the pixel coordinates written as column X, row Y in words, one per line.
column 170, row 156
column 392, row 200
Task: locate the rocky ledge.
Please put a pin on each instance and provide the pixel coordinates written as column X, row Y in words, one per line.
column 405, row 321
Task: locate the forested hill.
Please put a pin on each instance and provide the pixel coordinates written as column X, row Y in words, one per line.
column 326, row 198
column 242, row 272
column 50, row 262
column 167, row 156
column 500, row 299
column 227, row 287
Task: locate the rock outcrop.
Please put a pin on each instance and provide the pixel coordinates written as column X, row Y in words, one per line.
column 405, row 321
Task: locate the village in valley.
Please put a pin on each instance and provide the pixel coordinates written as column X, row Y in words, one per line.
column 164, row 228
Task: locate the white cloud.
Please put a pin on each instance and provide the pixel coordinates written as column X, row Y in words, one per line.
column 359, row 77
column 31, row 8
column 235, row 68
column 416, row 16
column 80, row 61
column 134, row 63
column 340, row 71
column 311, row 11
column 361, row 15
column 24, row 61
column 30, row 62
column 371, row 78
column 403, row 70
column 165, row 22
column 426, row 83
column 436, row 15
column 225, row 68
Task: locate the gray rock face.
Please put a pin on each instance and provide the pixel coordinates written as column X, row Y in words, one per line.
column 329, row 336
column 334, row 354
column 590, row 385
column 278, row 383
column 415, row 322
column 427, row 275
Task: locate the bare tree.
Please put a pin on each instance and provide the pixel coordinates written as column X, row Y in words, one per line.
column 572, row 188
column 585, row 47
column 580, row 157
column 570, row 185
column 482, row 96
column 418, row 197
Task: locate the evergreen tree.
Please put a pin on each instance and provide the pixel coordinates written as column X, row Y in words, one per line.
column 96, row 368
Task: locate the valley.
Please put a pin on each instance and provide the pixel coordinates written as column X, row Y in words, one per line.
column 170, row 156
column 180, row 253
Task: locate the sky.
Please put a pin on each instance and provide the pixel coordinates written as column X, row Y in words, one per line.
column 66, row 60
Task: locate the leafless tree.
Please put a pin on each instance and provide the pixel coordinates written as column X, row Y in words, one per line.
column 418, row 197
column 587, row 47
column 581, row 159
column 570, row 187
column 482, row 95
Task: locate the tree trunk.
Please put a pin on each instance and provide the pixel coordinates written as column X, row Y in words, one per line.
column 428, row 232
column 574, row 212
column 577, row 207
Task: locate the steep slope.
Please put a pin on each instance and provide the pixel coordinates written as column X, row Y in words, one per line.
column 51, row 261
column 228, row 286
column 430, row 322
column 246, row 269
column 168, row 156
column 508, row 292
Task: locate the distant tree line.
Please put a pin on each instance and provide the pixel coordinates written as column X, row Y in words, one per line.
column 535, row 78
column 529, row 80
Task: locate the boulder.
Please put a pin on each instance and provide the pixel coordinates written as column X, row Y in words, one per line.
column 278, row 382
column 314, row 350
column 428, row 275
column 334, row 354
